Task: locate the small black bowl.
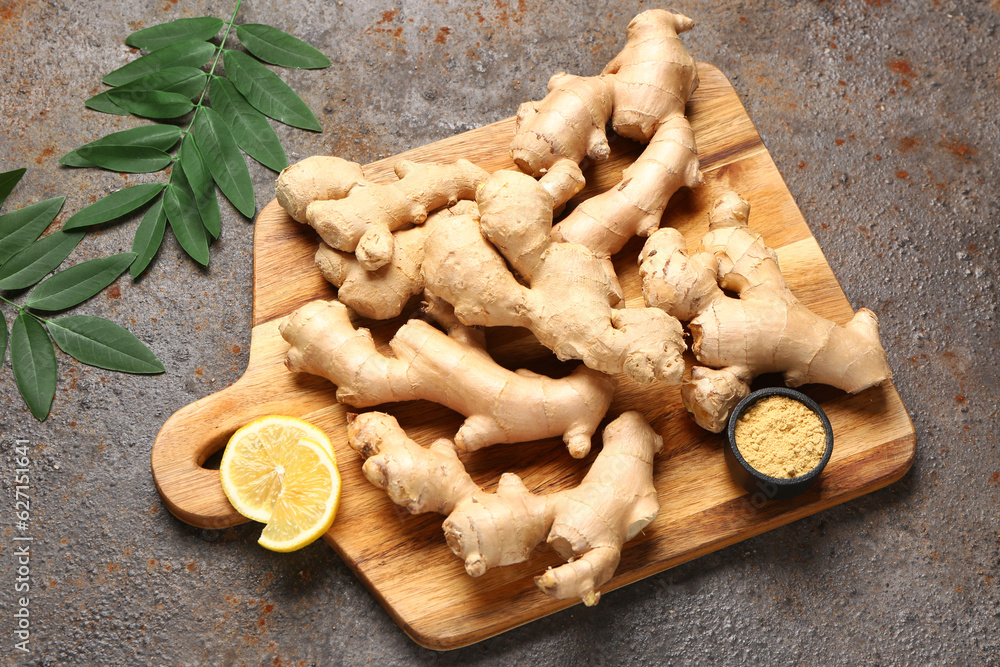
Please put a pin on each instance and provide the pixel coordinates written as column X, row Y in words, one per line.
column 764, row 487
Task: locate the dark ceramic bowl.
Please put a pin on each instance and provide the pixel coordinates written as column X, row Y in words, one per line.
column 764, row 487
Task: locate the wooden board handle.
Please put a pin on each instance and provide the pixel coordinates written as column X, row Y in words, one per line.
column 194, row 493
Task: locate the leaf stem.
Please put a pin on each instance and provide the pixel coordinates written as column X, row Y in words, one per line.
column 215, row 63
column 5, row 300
column 23, row 309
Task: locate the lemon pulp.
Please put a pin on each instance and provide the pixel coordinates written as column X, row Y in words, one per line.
column 282, row 471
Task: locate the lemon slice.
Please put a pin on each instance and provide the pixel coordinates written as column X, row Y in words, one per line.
column 282, row 471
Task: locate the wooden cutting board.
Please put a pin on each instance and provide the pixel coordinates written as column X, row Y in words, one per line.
column 403, row 559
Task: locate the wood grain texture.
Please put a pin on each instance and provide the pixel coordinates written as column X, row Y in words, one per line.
column 403, row 559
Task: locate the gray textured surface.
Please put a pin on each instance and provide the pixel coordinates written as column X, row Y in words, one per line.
column 881, row 117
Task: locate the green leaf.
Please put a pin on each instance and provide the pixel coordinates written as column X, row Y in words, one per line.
column 224, row 159
column 131, row 159
column 76, row 284
column 3, row 337
column 19, row 228
column 190, row 53
column 279, row 48
column 158, row 36
column 36, row 261
column 202, row 186
column 99, row 342
column 186, row 81
column 148, row 238
column 102, row 102
column 34, row 361
column 185, row 221
column 162, row 137
column 115, row 205
column 8, row 180
column 267, row 92
column 152, row 103
column 250, row 128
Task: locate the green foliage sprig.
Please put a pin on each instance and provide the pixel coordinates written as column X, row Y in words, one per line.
column 208, row 121
column 25, row 261
column 210, row 118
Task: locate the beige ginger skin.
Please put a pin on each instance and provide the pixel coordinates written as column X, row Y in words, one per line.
column 568, row 300
column 643, row 91
column 452, row 369
column 587, row 524
column 383, row 293
column 353, row 215
column 764, row 330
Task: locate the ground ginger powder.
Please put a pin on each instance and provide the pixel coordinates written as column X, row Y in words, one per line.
column 780, row 437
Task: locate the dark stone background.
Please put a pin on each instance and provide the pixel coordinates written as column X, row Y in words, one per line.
column 882, row 117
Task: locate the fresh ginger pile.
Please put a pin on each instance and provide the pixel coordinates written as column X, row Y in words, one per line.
column 483, row 251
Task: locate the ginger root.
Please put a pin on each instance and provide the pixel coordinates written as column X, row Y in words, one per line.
column 570, row 299
column 383, row 293
column 354, row 215
column 643, row 90
column 452, row 369
column 586, row 525
column 765, row 330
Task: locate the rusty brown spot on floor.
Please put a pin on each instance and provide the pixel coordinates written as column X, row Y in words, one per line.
column 907, row 144
column 839, row 142
column 45, row 154
column 114, row 292
column 902, row 174
column 959, row 149
column 235, row 349
column 168, row 5
column 9, row 10
column 388, row 17
column 442, row 35
column 902, row 67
